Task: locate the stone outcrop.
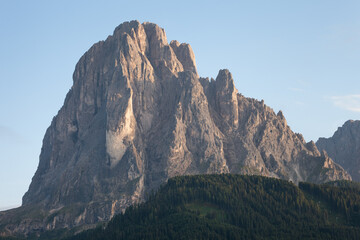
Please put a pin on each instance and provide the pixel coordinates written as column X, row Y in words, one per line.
column 344, row 147
column 138, row 114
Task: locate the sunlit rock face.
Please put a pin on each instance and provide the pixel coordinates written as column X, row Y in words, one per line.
column 344, row 147
column 138, row 114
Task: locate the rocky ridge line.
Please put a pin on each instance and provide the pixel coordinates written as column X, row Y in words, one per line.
column 138, row 114
column 344, row 147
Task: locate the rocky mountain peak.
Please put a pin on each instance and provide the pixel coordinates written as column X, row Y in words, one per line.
column 226, row 97
column 224, row 81
column 185, row 55
column 349, row 127
column 344, row 147
column 138, row 114
column 312, row 147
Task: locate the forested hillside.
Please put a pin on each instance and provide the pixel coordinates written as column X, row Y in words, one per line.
column 234, row 207
column 239, row 207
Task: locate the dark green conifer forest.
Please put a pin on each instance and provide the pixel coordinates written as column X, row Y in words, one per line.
column 235, row 207
column 239, row 207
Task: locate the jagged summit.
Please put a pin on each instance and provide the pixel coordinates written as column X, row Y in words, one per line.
column 138, row 114
column 344, row 147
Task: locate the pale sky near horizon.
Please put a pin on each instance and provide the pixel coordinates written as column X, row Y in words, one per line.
column 301, row 57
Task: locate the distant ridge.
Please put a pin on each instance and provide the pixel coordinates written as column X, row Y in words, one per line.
column 9, row 207
column 344, row 147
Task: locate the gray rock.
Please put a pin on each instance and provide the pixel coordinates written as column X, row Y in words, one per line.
column 344, row 147
column 138, row 114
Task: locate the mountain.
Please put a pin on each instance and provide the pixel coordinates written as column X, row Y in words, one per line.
column 138, row 114
column 344, row 147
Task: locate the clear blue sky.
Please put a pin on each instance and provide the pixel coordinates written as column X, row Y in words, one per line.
column 301, row 57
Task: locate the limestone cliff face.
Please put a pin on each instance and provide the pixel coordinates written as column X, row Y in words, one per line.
column 258, row 141
column 138, row 114
column 344, row 147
